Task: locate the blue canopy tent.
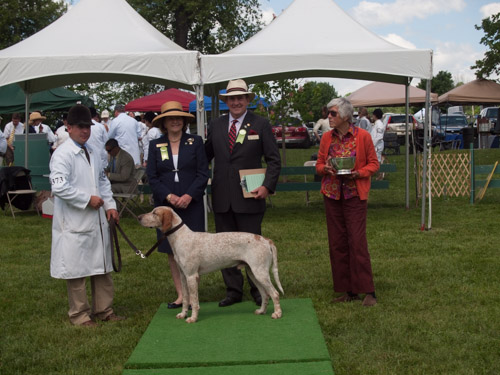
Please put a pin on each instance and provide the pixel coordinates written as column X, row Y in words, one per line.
column 223, row 107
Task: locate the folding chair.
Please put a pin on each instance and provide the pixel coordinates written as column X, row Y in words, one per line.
column 309, row 163
column 123, row 200
column 23, row 188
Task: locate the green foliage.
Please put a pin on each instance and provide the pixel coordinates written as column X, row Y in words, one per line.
column 311, row 97
column 440, row 83
column 490, row 65
column 20, row 19
column 210, row 26
column 438, row 290
column 281, row 94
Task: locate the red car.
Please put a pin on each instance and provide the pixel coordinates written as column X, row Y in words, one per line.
column 297, row 135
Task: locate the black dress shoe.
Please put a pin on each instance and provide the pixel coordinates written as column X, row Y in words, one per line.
column 228, row 301
column 173, row 305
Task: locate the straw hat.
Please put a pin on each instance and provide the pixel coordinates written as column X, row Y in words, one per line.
column 79, row 115
column 236, row 87
column 36, row 116
column 172, row 109
column 105, row 114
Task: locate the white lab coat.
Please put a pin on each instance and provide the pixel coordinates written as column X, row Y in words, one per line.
column 377, row 133
column 126, row 131
column 80, row 234
column 97, row 140
column 47, row 130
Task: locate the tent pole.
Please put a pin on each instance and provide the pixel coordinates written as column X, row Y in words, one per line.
column 424, row 158
column 407, row 148
column 26, row 126
column 200, row 129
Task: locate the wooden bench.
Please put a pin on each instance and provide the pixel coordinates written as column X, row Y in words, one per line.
column 308, row 173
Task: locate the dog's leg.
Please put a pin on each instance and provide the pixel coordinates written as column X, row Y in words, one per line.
column 185, row 296
column 263, row 293
column 192, row 284
column 261, row 274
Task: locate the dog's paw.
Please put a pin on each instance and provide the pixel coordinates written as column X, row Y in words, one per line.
column 276, row 314
column 190, row 320
column 260, row 312
column 181, row 315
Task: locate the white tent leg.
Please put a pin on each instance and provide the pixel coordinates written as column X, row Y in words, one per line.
column 407, row 143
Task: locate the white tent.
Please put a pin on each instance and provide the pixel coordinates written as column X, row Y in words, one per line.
column 97, row 41
column 317, row 39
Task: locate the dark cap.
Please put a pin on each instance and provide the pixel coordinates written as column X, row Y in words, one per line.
column 79, row 115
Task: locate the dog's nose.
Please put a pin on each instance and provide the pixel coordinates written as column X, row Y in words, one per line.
column 140, row 217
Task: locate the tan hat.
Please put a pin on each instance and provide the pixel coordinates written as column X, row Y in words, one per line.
column 36, row 116
column 172, row 109
column 105, row 114
column 236, row 87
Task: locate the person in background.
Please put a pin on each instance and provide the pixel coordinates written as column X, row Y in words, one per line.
column 346, row 201
column 83, row 204
column 3, row 147
column 121, row 168
column 322, row 124
column 363, row 121
column 15, row 126
column 177, row 171
column 98, row 137
column 240, row 140
column 105, row 119
column 152, row 133
column 35, row 120
column 61, row 132
column 124, row 129
column 377, row 133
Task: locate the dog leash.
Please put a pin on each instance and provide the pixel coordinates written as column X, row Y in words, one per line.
column 113, row 226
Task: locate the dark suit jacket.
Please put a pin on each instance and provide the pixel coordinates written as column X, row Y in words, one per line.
column 122, row 178
column 226, row 189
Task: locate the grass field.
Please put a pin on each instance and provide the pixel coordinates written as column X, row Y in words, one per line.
column 438, row 290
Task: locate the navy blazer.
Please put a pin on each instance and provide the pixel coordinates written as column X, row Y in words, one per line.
column 192, row 169
column 258, row 145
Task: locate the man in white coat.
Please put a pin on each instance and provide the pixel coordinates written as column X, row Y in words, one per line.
column 125, row 130
column 80, row 234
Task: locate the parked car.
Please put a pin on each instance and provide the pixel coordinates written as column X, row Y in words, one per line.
column 396, row 123
column 296, row 134
column 451, row 123
column 490, row 113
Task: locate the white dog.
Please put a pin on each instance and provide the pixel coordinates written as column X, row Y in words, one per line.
column 198, row 253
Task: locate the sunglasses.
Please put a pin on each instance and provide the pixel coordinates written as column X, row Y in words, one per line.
column 109, row 150
column 333, row 113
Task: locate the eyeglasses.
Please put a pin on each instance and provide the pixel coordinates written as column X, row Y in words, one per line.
column 333, row 113
column 108, row 150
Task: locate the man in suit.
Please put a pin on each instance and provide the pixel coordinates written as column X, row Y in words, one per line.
column 238, row 141
column 120, row 169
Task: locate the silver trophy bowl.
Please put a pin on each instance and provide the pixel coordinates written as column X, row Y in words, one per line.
column 344, row 164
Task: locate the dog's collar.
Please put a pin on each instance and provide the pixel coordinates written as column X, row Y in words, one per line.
column 174, row 229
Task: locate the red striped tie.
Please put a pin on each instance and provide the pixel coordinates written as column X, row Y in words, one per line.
column 232, row 135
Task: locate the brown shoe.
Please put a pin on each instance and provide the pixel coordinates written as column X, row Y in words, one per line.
column 113, row 318
column 369, row 300
column 89, row 323
column 346, row 298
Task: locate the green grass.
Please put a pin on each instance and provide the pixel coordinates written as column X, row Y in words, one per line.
column 438, row 290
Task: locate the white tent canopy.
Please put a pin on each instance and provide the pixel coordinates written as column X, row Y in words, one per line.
column 97, row 41
column 317, row 39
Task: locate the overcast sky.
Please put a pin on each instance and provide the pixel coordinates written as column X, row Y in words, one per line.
column 445, row 26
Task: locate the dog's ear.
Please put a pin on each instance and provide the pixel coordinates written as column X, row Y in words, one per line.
column 166, row 219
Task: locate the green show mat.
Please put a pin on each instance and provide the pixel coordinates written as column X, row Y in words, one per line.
column 302, row 368
column 232, row 335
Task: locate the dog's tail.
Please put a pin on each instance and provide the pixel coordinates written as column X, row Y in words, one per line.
column 275, row 266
